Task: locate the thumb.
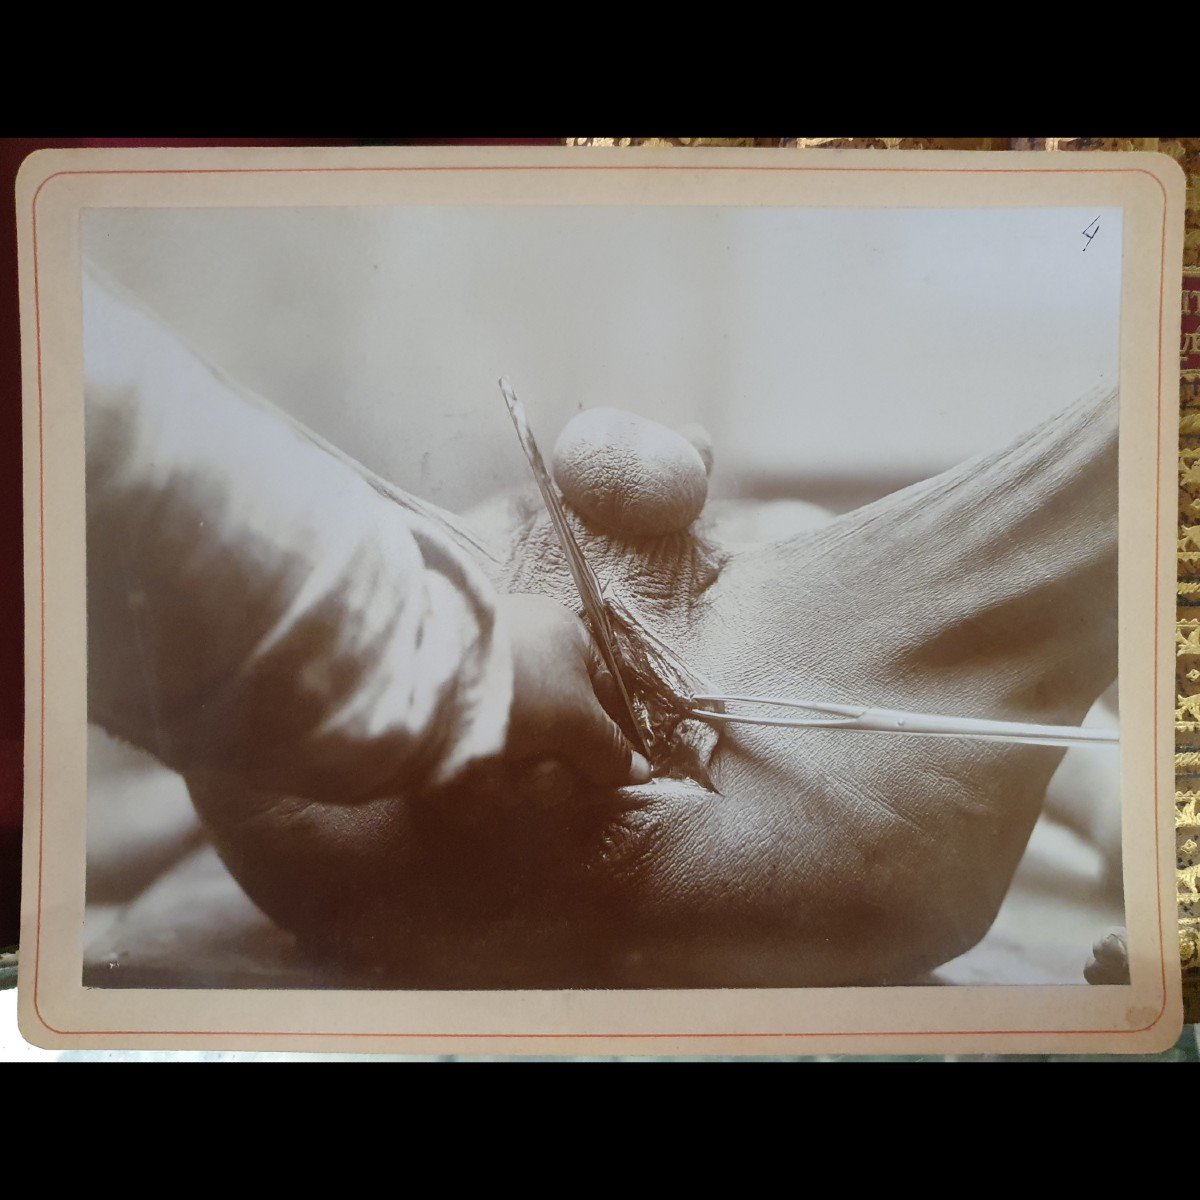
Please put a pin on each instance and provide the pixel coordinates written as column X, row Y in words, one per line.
column 601, row 753
column 603, row 683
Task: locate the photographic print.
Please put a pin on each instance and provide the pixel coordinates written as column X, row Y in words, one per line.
column 505, row 601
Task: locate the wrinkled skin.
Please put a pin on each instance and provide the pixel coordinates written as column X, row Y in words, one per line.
column 822, row 858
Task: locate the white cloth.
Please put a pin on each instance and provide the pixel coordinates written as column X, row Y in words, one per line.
column 254, row 604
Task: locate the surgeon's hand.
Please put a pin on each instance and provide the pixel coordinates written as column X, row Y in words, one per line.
column 560, row 689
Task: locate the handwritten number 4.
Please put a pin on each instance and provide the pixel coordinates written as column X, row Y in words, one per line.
column 1094, row 229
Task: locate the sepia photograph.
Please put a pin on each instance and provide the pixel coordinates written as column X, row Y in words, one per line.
column 574, row 600
column 760, row 630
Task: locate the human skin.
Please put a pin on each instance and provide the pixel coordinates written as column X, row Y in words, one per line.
column 816, row 858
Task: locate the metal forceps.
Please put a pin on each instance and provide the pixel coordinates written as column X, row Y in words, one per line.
column 586, row 583
column 896, row 720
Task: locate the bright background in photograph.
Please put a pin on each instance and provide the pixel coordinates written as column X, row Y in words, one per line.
column 864, row 347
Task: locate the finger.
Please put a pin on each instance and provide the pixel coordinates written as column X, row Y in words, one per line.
column 608, row 690
column 1110, row 948
column 596, row 666
column 603, row 682
column 600, row 752
column 608, row 694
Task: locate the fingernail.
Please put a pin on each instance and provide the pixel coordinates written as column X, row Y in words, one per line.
column 639, row 769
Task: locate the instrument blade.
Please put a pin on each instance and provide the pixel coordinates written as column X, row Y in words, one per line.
column 586, row 583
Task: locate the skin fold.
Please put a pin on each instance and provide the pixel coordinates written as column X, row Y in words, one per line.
column 814, row 858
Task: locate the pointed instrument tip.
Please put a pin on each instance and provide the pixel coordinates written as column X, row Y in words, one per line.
column 510, row 397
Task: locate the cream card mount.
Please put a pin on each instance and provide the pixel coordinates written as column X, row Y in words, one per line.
column 887, row 432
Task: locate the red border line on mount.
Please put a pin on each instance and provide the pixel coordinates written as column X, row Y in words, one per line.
column 231, row 1033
